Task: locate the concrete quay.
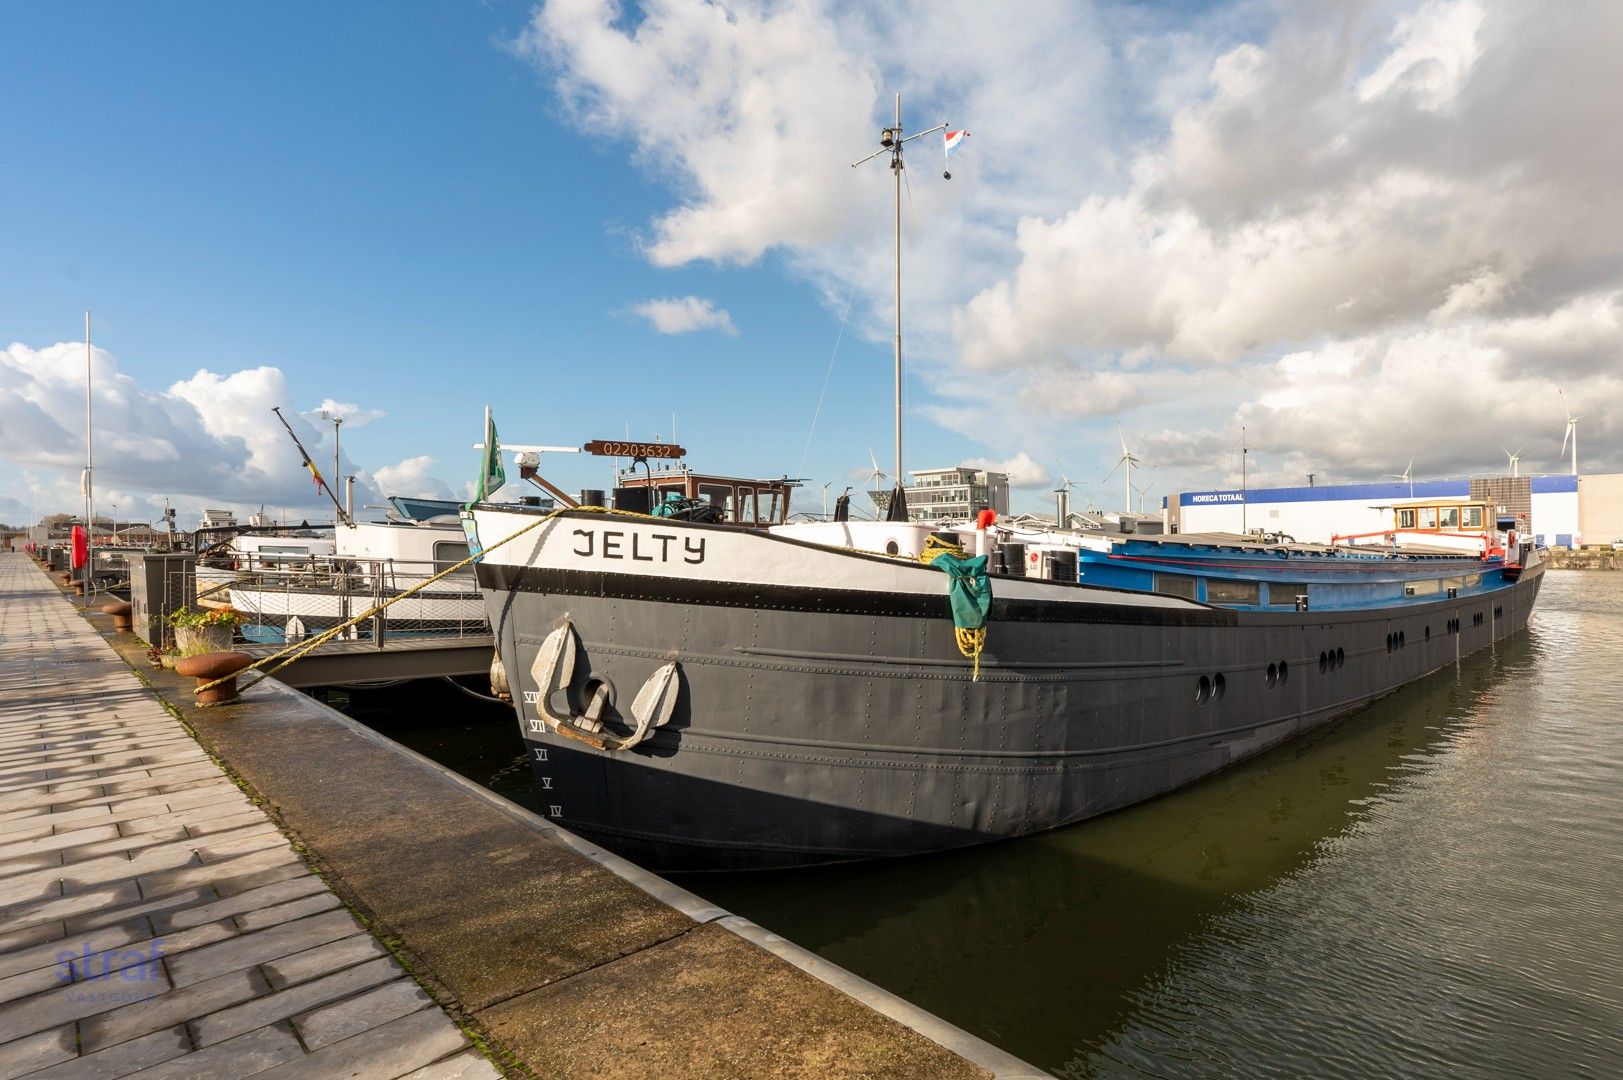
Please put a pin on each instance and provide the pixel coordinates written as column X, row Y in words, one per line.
column 1589, row 558
column 413, row 913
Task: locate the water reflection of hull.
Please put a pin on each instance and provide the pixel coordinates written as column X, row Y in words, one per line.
column 1056, row 932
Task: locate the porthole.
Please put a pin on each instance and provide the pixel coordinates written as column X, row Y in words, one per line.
column 1428, row 633
column 1341, row 657
column 1203, row 690
column 1219, row 684
column 1284, row 672
column 891, row 547
column 1324, row 663
column 1401, row 642
column 1391, row 642
column 1273, row 676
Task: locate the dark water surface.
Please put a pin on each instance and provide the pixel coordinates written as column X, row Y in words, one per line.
column 1431, row 887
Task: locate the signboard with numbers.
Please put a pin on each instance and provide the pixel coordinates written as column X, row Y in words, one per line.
column 618, row 448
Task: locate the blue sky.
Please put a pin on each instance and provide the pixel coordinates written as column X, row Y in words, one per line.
column 1182, row 218
column 383, row 205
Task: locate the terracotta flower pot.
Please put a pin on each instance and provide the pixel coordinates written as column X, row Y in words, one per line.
column 210, row 666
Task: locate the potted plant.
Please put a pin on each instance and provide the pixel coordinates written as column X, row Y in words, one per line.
column 203, row 630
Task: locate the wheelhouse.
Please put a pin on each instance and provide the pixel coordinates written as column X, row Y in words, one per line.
column 1444, row 517
column 741, row 501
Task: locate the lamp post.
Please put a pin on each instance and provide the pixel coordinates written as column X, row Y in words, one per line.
column 337, row 423
column 90, row 521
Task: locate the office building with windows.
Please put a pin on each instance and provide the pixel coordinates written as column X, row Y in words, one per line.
column 956, row 494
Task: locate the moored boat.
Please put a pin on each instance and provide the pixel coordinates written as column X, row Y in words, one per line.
column 284, row 583
column 704, row 696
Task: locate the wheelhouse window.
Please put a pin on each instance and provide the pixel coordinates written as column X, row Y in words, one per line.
column 1428, row 517
column 1176, row 585
column 1449, row 517
column 1471, row 517
column 1219, row 591
column 1406, row 519
column 746, row 504
column 1284, row 594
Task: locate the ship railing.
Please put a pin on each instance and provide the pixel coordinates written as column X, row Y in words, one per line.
column 282, row 599
column 1391, row 536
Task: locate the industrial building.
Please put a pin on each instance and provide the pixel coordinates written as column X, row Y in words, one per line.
column 1560, row 510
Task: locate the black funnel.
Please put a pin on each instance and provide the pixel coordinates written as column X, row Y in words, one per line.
column 898, row 504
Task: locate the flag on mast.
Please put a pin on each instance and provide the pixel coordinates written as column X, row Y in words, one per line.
column 491, row 474
column 950, row 141
column 315, row 473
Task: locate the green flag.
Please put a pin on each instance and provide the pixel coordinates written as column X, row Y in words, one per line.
column 491, row 474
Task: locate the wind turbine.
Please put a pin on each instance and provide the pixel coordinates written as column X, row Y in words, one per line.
column 1127, row 459
column 1141, row 493
column 1572, row 433
column 1515, row 458
column 1407, row 476
column 881, row 497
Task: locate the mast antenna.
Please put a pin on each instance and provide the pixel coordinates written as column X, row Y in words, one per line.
column 891, row 141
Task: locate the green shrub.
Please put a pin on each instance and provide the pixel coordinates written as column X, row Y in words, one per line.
column 203, row 617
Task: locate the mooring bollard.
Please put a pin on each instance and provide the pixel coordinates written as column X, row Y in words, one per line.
column 123, row 613
column 210, row 666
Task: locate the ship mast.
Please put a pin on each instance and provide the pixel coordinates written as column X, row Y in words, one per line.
column 891, row 141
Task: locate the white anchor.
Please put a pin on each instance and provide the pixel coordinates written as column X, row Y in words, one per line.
column 554, row 671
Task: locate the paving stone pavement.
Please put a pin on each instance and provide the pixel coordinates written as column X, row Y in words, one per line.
column 153, row 921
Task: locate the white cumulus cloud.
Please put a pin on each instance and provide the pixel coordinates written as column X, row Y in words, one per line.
column 1310, row 219
column 210, row 439
column 411, row 478
column 684, row 314
column 1022, row 471
column 351, row 413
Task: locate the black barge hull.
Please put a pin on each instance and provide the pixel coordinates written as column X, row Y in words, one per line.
column 812, row 728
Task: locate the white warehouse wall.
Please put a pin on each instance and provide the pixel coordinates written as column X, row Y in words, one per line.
column 1313, row 515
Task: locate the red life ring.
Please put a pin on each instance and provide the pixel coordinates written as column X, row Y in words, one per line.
column 81, row 547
